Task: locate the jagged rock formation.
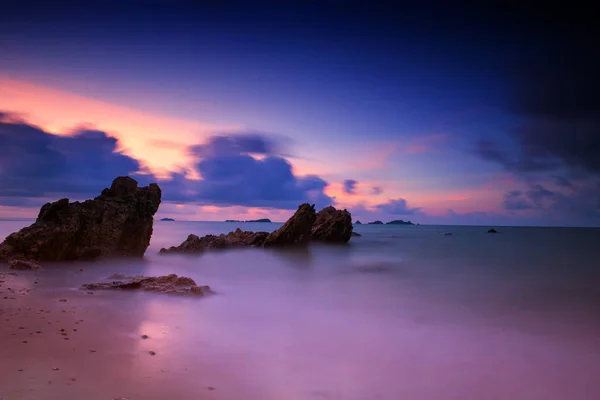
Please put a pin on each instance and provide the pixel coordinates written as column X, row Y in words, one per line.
column 170, row 284
column 118, row 223
column 332, row 226
column 296, row 230
column 238, row 238
column 329, row 225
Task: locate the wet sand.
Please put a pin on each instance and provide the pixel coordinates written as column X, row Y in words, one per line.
column 69, row 344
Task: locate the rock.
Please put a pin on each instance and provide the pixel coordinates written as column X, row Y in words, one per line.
column 376, row 223
column 296, row 230
column 238, row 238
column 167, row 219
column 356, row 234
column 332, row 226
column 447, row 234
column 492, row 231
column 358, row 223
column 23, row 265
column 118, row 223
column 171, row 284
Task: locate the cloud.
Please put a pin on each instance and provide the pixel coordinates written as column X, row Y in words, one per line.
column 516, row 200
column 231, row 176
column 581, row 205
column 556, row 140
column 376, row 190
column 237, row 144
column 350, row 186
column 34, row 162
column 397, row 207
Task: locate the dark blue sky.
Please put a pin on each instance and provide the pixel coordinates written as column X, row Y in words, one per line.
column 472, row 102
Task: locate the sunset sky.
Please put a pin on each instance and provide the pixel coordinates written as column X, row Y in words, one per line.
column 241, row 110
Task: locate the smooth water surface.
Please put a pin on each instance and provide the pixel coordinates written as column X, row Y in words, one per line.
column 403, row 312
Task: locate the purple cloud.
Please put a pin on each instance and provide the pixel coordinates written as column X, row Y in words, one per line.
column 350, row 186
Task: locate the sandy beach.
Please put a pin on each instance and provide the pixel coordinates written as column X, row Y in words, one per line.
column 59, row 343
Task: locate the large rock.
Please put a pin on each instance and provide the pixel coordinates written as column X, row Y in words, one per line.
column 332, row 226
column 296, row 230
column 170, row 284
column 238, row 238
column 115, row 224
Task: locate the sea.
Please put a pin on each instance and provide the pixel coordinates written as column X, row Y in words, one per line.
column 402, row 312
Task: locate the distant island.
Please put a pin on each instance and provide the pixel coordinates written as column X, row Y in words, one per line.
column 358, row 223
column 267, row 220
column 167, row 219
column 394, row 222
column 399, row 222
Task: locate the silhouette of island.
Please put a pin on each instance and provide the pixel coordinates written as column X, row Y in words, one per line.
column 375, row 223
column 399, row 222
column 358, row 223
column 267, row 220
column 167, row 219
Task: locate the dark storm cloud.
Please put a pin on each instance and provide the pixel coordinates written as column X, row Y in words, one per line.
column 397, row 207
column 34, row 162
column 350, row 186
column 555, row 99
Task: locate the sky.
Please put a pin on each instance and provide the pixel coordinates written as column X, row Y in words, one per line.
column 240, row 110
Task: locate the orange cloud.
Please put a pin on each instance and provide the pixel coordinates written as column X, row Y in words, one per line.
column 158, row 140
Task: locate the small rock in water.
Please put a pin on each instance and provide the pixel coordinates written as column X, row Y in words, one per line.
column 144, row 336
column 492, row 231
column 152, row 353
column 63, row 300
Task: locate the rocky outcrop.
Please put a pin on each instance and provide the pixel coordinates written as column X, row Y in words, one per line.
column 23, row 265
column 118, row 223
column 296, row 230
column 332, row 226
column 238, row 238
column 170, row 284
column 492, row 231
column 329, row 225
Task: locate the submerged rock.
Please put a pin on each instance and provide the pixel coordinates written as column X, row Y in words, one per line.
column 118, row 223
column 238, row 238
column 296, row 230
column 23, row 265
column 333, row 226
column 170, row 284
